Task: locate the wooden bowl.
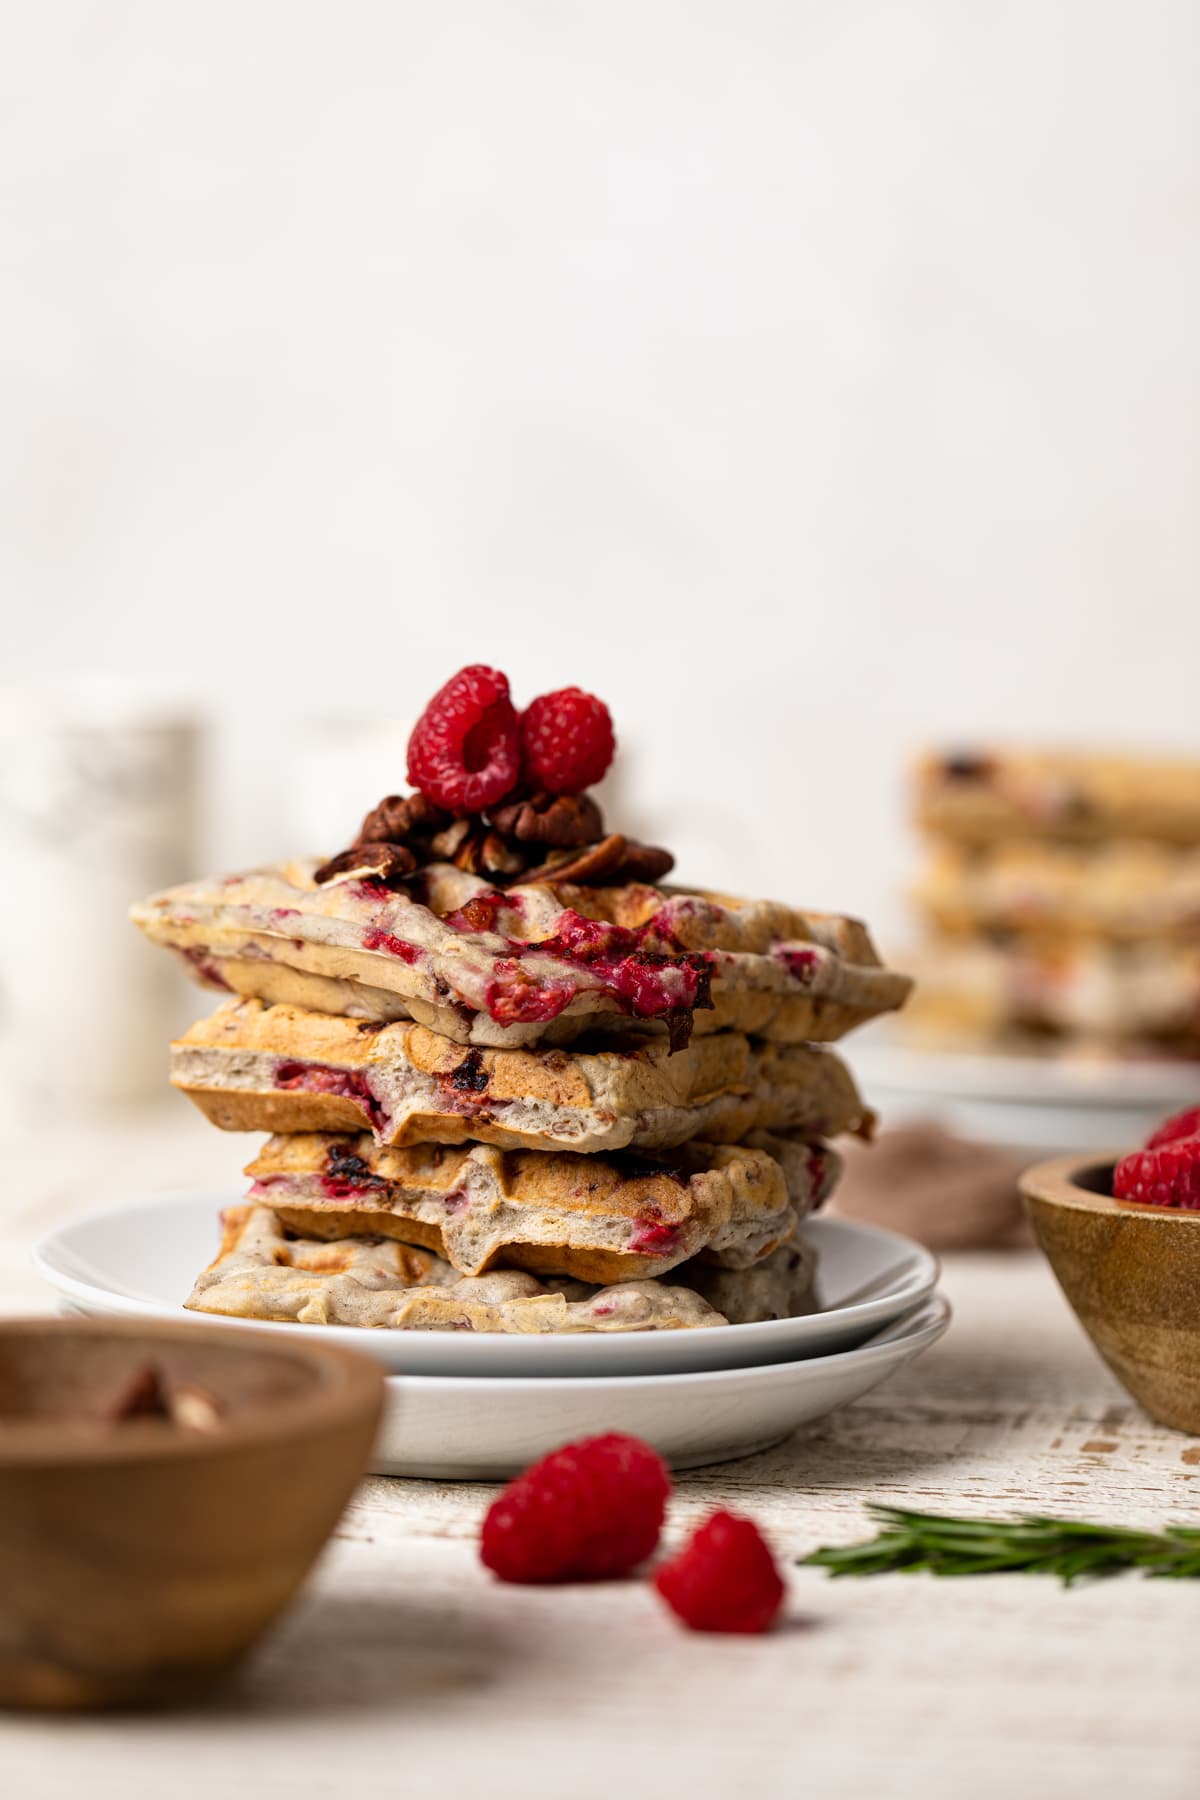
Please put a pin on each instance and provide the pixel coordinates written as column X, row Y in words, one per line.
column 140, row 1559
column 1132, row 1274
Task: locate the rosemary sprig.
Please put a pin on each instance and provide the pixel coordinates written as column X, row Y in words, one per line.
column 1027, row 1545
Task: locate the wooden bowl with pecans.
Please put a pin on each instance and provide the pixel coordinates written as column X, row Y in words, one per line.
column 1132, row 1275
column 164, row 1489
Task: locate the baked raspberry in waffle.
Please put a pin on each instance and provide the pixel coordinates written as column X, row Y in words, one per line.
column 261, row 1272
column 597, row 1218
column 533, row 963
column 251, row 1067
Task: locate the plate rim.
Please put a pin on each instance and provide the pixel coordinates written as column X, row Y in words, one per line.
column 925, row 1274
column 920, row 1071
column 918, row 1335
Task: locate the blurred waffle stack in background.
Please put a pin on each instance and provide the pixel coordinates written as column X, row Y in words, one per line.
column 1057, row 1004
column 1060, row 901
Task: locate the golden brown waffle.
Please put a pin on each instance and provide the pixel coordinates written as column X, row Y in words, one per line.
column 1124, row 890
column 980, row 795
column 782, row 1286
column 540, row 963
column 1109, row 995
column 251, row 1067
column 596, row 1218
column 260, row 1272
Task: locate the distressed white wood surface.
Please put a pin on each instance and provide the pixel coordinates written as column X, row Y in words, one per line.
column 405, row 1668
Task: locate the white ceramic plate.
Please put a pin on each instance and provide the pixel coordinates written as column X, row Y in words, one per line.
column 141, row 1260
column 1053, row 1102
column 488, row 1429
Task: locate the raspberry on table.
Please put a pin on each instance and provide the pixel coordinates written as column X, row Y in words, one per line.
column 1167, row 1176
column 724, row 1578
column 567, row 739
column 591, row 1510
column 465, row 750
column 1179, row 1125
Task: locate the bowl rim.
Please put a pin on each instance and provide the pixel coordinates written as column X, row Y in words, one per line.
column 347, row 1383
column 1057, row 1183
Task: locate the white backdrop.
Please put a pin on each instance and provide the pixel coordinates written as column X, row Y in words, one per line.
column 809, row 379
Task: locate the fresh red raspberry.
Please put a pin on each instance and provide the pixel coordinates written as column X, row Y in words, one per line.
column 1168, row 1176
column 465, row 749
column 1180, row 1125
column 590, row 1510
column 724, row 1578
column 567, row 739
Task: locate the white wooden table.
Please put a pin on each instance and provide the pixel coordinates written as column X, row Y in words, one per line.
column 407, row 1669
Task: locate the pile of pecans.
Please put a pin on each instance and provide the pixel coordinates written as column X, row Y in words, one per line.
column 534, row 837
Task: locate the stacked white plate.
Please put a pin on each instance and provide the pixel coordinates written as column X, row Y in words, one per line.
column 465, row 1405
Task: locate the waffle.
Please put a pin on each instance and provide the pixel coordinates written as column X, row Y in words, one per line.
column 251, row 1067
column 1115, row 995
column 262, row 1273
column 1128, row 889
column 539, row 963
column 979, row 796
column 596, row 1218
column 782, row 1286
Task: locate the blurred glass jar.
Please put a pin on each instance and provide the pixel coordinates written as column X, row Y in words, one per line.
column 98, row 807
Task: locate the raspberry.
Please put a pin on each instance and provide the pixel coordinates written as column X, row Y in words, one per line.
column 1180, row 1125
column 465, row 749
column 590, row 1510
column 568, row 741
column 1168, row 1176
column 724, row 1578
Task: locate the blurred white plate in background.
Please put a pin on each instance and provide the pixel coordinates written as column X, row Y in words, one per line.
column 1055, row 1102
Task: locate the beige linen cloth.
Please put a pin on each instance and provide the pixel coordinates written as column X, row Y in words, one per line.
column 929, row 1185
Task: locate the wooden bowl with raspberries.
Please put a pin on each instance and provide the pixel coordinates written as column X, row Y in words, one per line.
column 1122, row 1235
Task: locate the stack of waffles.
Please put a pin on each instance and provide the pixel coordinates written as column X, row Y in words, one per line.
column 513, row 1084
column 1061, row 896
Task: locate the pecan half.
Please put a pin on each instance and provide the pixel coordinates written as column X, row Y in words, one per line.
column 560, row 821
column 448, row 842
column 486, row 853
column 500, row 858
column 398, row 817
column 645, row 862
column 615, row 859
column 587, row 868
column 382, row 861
